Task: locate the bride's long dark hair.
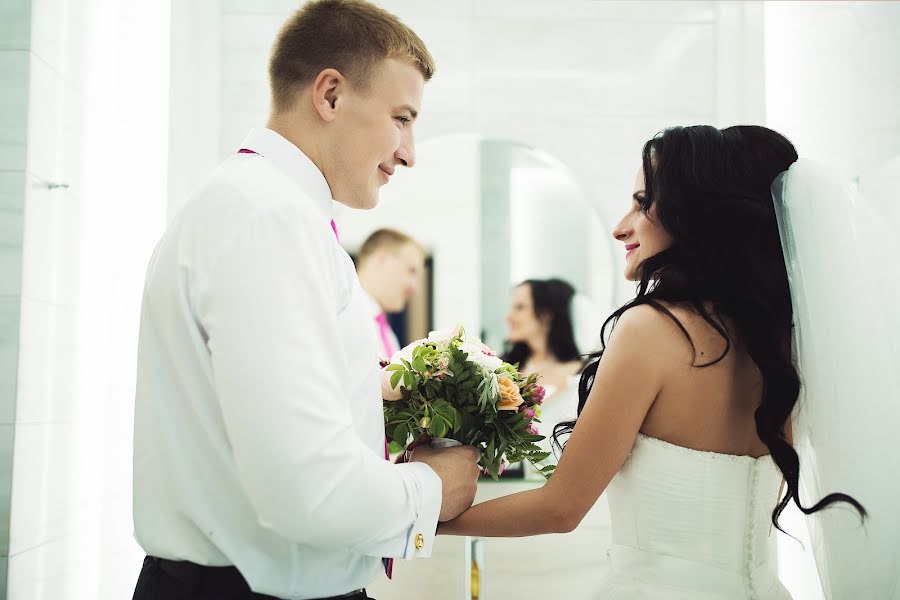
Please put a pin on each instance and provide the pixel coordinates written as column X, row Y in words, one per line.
column 711, row 191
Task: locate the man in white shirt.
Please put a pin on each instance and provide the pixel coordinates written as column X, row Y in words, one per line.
column 259, row 467
column 390, row 265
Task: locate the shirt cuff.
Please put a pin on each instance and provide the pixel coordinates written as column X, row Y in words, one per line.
column 420, row 537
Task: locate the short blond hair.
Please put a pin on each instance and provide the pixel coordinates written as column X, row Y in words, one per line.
column 389, row 239
column 352, row 36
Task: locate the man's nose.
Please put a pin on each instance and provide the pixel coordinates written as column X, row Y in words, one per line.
column 406, row 153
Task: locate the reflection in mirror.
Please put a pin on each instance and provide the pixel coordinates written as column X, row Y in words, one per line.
column 537, row 224
column 532, row 220
column 494, row 213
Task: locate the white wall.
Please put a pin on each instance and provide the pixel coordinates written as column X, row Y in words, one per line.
column 833, row 80
column 36, row 314
column 97, row 92
column 195, row 101
column 15, row 59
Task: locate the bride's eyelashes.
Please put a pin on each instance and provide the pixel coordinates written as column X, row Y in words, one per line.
column 641, row 204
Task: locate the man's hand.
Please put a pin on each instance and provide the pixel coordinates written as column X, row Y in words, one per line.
column 458, row 470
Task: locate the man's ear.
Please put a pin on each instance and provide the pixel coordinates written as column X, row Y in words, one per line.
column 327, row 89
column 381, row 256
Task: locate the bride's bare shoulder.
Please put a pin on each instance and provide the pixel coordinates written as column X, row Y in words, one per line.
column 648, row 320
column 659, row 330
column 645, row 323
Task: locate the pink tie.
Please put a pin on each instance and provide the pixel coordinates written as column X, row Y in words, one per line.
column 334, row 229
column 387, row 562
column 385, row 331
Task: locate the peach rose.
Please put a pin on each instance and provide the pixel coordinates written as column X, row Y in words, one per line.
column 510, row 398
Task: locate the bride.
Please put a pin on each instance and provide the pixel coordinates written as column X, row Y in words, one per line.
column 684, row 416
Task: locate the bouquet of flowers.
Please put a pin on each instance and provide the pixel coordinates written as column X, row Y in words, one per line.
column 450, row 385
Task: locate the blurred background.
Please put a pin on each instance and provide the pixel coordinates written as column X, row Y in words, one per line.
column 111, row 111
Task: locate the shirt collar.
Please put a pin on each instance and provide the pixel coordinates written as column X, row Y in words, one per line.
column 294, row 163
column 374, row 308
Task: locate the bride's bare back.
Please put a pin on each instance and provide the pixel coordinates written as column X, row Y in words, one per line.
column 704, row 407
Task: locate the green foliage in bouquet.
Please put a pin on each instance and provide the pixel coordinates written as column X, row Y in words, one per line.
column 457, row 389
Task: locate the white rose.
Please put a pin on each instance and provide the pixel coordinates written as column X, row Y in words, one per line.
column 441, row 335
column 388, row 392
column 406, row 352
column 477, row 356
column 471, row 339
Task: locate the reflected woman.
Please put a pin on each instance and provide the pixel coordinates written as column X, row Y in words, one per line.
column 685, row 414
column 541, row 338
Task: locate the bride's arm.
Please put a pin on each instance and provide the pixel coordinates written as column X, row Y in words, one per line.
column 640, row 352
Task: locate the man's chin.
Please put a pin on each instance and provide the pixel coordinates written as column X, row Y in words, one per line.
column 361, row 203
column 370, row 201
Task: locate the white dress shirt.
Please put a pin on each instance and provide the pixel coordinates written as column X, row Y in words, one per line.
column 259, row 435
column 374, row 310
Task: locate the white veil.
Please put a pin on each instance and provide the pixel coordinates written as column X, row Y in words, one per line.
column 842, row 261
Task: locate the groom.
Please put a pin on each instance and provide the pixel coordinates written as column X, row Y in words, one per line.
column 259, row 452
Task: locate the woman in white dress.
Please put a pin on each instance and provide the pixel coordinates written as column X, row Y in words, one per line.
column 541, row 339
column 685, row 415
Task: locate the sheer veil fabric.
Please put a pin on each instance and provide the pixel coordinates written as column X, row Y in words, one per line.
column 841, row 259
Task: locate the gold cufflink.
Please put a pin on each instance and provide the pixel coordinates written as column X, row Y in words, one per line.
column 420, row 541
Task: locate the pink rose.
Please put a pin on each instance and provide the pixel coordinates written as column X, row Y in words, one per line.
column 529, row 413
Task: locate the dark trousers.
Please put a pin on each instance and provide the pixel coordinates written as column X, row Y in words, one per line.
column 159, row 583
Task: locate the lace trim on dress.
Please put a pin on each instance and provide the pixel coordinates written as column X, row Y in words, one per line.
column 709, row 453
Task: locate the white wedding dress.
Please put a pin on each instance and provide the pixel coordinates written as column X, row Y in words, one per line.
column 688, row 524
column 559, row 405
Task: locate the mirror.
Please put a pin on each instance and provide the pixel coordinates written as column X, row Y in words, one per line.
column 492, row 213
